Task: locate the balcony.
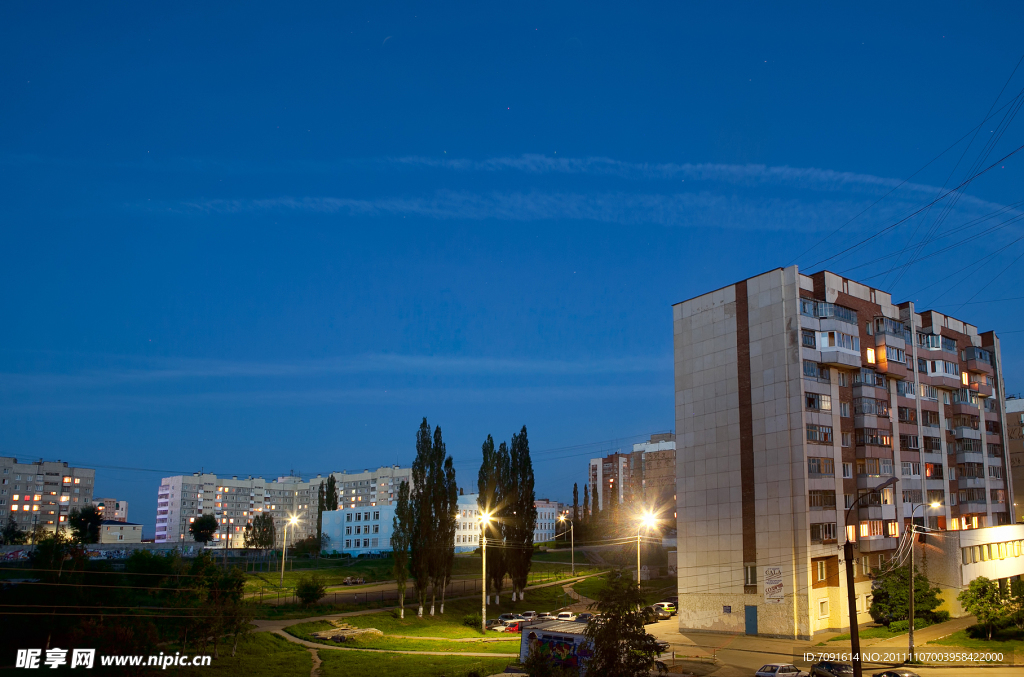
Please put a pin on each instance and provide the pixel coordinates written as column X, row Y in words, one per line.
column 971, row 482
column 983, row 389
column 967, row 433
column 871, row 481
column 876, row 543
column 970, row 457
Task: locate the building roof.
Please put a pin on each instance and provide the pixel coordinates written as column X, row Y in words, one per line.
column 121, row 524
column 564, row 627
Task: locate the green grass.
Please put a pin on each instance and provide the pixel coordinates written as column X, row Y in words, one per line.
column 550, row 598
column 1006, row 640
column 348, row 663
column 879, row 632
column 262, row 655
column 496, row 644
column 654, row 591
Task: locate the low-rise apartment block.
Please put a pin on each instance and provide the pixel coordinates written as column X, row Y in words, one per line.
column 112, row 509
column 41, row 494
column 115, row 531
column 796, row 398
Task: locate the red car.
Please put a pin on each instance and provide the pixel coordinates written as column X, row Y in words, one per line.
column 514, row 626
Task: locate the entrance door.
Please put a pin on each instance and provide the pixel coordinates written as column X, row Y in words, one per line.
column 750, row 616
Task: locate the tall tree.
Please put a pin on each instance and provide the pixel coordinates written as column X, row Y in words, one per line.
column 403, row 526
column 522, row 498
column 983, row 600
column 586, row 502
column 321, row 505
column 11, row 534
column 203, row 528
column 85, row 524
column 446, row 524
column 575, row 503
column 420, row 550
column 331, row 499
column 492, row 482
column 621, row 645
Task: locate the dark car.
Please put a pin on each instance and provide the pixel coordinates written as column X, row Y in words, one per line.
column 585, row 617
column 493, row 622
column 663, row 646
column 510, row 617
column 653, row 614
column 897, row 672
column 831, row 669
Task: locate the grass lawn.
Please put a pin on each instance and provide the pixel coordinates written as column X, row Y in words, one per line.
column 550, row 598
column 263, row 655
column 497, row 644
column 879, row 632
column 348, row 663
column 1005, row 641
column 333, row 570
column 654, row 591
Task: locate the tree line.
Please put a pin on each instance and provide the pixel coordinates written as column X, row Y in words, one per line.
column 427, row 511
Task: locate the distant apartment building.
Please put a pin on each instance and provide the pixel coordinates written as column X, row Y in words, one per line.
column 112, row 509
column 1015, row 442
column 648, row 473
column 235, row 502
column 43, row 493
column 796, row 398
column 115, row 531
column 371, row 487
column 547, row 520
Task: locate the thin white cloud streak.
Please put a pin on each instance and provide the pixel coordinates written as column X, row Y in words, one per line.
column 168, row 371
column 687, row 210
column 351, row 396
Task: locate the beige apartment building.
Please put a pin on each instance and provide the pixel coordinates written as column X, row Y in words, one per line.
column 1015, row 444
column 796, row 398
column 43, row 493
column 647, row 473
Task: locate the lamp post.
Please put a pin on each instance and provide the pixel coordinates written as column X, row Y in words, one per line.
column 646, row 520
column 284, row 550
column 572, row 542
column 913, row 531
column 851, row 595
column 485, row 517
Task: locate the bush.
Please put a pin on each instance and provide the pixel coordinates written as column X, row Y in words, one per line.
column 939, row 616
column 472, row 620
column 311, row 588
column 904, row 626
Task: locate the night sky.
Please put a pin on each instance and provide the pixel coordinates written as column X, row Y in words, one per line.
column 258, row 239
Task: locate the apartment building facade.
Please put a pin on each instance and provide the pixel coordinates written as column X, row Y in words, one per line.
column 1015, row 447
column 547, row 520
column 796, row 398
column 647, row 473
column 235, row 502
column 41, row 494
column 112, row 509
column 371, row 487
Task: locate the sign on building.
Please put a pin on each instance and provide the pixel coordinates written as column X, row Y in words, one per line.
column 774, row 589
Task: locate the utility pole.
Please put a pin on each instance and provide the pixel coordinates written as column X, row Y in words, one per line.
column 913, row 531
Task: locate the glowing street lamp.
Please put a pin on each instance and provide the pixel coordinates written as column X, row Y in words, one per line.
column 284, row 550
column 572, row 540
column 646, row 520
column 485, row 518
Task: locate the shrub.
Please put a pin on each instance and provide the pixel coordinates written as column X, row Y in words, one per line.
column 904, row 626
column 939, row 616
column 472, row 620
column 311, row 588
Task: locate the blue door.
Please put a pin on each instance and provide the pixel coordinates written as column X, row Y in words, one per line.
column 750, row 616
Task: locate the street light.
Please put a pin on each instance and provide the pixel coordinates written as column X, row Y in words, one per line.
column 646, row 520
column 572, row 541
column 913, row 530
column 284, row 550
column 485, row 518
column 851, row 595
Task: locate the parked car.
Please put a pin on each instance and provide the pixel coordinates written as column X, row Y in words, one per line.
column 653, row 614
column 510, row 617
column 544, row 616
column 667, row 606
column 514, row 626
column 529, row 615
column 565, row 616
column 897, row 672
column 831, row 669
column 493, row 623
column 663, row 646
column 585, row 617
column 674, row 601
column 780, row 670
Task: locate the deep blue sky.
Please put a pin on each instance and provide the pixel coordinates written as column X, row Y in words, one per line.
column 256, row 238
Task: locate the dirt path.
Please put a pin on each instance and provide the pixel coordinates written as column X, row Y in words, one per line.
column 315, row 672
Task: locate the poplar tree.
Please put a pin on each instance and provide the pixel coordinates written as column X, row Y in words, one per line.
column 491, row 483
column 575, row 503
column 446, row 523
column 403, row 525
column 420, row 538
column 321, row 505
column 523, row 521
column 331, row 497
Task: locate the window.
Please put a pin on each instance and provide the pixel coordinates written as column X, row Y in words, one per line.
column 847, row 440
column 376, row 530
column 873, row 437
column 808, row 338
column 922, row 365
column 848, row 500
column 824, row 531
column 836, row 339
column 820, row 466
column 844, row 410
column 870, row 528
column 816, row 371
column 821, row 500
column 821, row 570
column 933, row 444
column 893, row 354
column 929, row 392
column 995, row 472
column 911, row 469
column 868, row 466
column 348, row 518
column 819, row 402
column 871, row 355
column 348, row 544
column 948, row 345
column 886, row 466
column 905, row 389
column 907, row 414
column 933, row 471
column 821, row 434
column 823, row 608
column 749, row 575
column 912, row 496
column 909, row 442
column 842, row 379
column 869, row 406
column 847, row 472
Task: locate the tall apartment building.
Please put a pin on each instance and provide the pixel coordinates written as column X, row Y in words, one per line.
column 43, row 493
column 647, row 472
column 372, row 487
column 234, row 502
column 1015, row 444
column 112, row 509
column 795, row 396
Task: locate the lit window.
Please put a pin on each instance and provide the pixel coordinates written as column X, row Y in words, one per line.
column 78, row 480
column 871, row 355
column 67, row 480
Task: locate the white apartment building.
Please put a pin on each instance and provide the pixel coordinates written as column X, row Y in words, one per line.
column 112, row 509
column 234, row 502
column 547, row 520
column 371, row 487
column 797, row 397
column 43, row 493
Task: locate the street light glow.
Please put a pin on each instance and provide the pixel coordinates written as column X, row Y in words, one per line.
column 935, row 504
